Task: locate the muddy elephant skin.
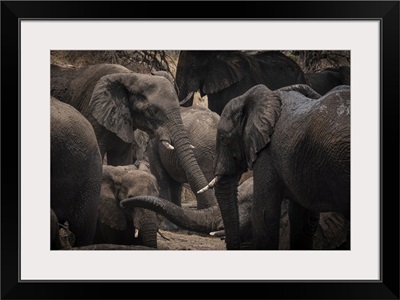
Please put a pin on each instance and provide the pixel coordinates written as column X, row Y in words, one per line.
column 298, row 145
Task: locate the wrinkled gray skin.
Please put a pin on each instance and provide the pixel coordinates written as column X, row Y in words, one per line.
column 116, row 101
column 167, row 75
column 201, row 126
column 224, row 75
column 327, row 79
column 332, row 231
column 116, row 226
column 298, row 146
column 76, row 171
column 204, row 220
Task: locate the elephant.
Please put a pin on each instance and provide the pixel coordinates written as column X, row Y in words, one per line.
column 224, row 75
column 76, row 172
column 327, row 79
column 117, row 101
column 332, row 232
column 297, row 143
column 116, row 226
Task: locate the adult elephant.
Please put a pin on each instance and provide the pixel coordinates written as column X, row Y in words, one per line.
column 116, row 101
column 116, row 226
column 224, row 75
column 325, row 80
column 298, row 146
column 76, row 172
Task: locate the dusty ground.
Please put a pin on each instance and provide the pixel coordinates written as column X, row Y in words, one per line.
column 184, row 240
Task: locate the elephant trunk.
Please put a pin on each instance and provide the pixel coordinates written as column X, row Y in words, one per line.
column 204, row 220
column 147, row 227
column 188, row 162
column 226, row 192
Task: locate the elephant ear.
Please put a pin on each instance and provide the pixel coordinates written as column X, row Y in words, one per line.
column 110, row 105
column 263, row 108
column 109, row 212
column 224, row 69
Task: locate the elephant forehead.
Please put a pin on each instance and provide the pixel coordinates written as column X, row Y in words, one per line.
column 139, row 182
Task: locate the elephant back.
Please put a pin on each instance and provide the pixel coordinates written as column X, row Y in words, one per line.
column 61, row 77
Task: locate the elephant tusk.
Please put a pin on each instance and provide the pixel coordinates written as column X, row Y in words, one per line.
column 217, row 233
column 168, row 145
column 209, row 186
column 192, row 147
column 136, row 232
column 187, row 98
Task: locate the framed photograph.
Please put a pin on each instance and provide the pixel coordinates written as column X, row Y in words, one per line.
column 153, row 37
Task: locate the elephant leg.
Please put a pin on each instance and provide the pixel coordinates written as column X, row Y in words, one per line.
column 303, row 225
column 84, row 219
column 267, row 199
column 175, row 191
column 169, row 188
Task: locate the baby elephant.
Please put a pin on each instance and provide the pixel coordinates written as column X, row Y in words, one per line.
column 130, row 226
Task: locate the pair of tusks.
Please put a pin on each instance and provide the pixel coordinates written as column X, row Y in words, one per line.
column 170, row 147
column 210, row 185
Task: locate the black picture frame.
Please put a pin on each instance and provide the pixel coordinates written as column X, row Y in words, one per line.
column 385, row 11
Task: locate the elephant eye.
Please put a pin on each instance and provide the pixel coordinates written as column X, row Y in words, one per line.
column 152, row 111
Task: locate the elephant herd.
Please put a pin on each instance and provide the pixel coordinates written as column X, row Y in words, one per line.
column 272, row 140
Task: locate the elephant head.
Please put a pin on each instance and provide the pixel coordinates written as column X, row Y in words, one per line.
column 126, row 227
column 122, row 102
column 245, row 128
